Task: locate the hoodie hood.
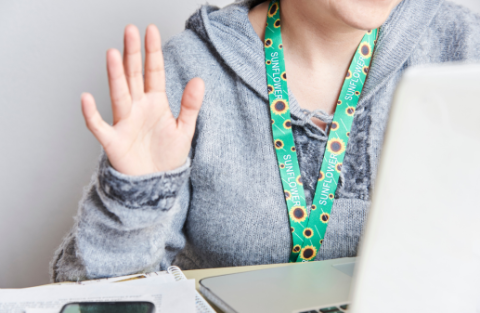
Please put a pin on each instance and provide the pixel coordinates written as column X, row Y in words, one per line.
column 229, row 33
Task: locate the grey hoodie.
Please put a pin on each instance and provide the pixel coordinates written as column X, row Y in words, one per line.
column 225, row 206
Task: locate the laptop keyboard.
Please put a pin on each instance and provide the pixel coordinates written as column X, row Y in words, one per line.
column 331, row 309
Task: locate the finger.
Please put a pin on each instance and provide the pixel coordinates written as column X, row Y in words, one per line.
column 191, row 102
column 99, row 128
column 154, row 66
column 119, row 92
column 132, row 61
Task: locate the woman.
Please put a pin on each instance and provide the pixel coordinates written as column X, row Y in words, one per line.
column 189, row 174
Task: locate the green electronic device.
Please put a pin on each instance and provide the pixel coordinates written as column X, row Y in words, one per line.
column 109, row 307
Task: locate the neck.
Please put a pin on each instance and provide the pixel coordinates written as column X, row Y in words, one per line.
column 314, row 35
column 318, row 48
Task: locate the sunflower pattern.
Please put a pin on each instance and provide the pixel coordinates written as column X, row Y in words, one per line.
column 299, row 180
column 279, row 106
column 335, row 146
column 268, row 43
column 288, row 195
column 278, row 144
column 308, row 228
column 298, row 214
column 350, row 111
column 296, row 248
column 325, row 217
column 308, row 232
column 273, row 10
column 334, row 126
column 308, row 253
column 365, row 50
column 338, row 167
column 270, row 89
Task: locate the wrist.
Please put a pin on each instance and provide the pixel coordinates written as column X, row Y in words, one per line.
column 155, row 190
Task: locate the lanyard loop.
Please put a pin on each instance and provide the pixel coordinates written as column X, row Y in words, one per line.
column 308, row 232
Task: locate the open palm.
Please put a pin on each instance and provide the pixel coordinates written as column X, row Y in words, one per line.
column 145, row 136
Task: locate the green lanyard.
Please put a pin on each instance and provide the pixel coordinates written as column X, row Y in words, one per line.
column 308, row 232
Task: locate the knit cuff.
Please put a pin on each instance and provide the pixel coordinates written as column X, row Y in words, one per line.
column 154, row 191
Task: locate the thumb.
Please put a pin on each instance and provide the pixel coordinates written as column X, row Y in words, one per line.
column 191, row 102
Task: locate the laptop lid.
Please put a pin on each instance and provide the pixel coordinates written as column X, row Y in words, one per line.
column 417, row 252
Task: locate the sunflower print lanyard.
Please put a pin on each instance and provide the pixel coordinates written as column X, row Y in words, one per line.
column 308, row 232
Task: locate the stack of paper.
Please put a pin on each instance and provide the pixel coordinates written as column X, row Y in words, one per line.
column 159, row 288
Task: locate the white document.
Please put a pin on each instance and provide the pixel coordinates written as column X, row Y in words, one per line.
column 162, row 276
column 166, row 296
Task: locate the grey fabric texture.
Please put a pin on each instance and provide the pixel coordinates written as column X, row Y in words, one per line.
column 225, row 206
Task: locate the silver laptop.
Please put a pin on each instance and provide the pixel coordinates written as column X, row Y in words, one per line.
column 420, row 252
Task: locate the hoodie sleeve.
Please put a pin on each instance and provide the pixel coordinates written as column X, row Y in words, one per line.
column 121, row 225
column 459, row 30
column 124, row 222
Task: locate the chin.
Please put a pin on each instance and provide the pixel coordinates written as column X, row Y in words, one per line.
column 363, row 14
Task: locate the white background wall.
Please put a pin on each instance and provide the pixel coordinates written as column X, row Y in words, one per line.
column 52, row 51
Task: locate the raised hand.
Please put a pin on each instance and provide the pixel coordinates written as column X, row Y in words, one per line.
column 145, row 137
